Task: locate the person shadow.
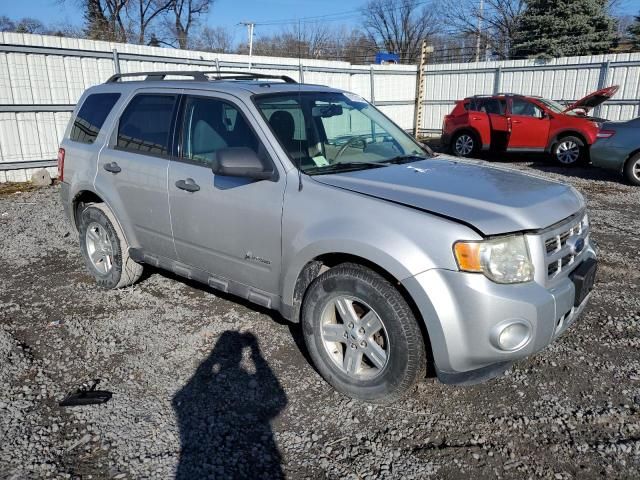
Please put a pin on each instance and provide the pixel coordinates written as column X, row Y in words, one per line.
column 225, row 411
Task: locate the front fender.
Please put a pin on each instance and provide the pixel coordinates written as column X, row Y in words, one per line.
column 401, row 240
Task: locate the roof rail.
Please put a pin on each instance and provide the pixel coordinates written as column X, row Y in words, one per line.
column 203, row 76
column 500, row 94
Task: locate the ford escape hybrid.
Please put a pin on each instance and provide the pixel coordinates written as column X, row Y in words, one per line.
column 308, row 200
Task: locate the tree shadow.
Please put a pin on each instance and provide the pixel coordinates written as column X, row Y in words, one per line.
column 225, row 411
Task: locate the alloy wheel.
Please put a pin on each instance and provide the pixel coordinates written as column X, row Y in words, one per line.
column 464, row 145
column 635, row 170
column 99, row 248
column 568, row 152
column 355, row 338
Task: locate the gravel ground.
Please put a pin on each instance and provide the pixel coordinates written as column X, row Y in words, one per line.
column 205, row 385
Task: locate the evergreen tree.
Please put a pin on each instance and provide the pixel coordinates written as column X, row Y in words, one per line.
column 560, row 28
column 634, row 32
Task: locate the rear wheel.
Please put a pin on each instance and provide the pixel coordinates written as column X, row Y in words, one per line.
column 464, row 144
column 105, row 249
column 362, row 335
column 569, row 151
column 632, row 170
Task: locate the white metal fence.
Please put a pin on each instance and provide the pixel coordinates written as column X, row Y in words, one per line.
column 42, row 77
column 563, row 79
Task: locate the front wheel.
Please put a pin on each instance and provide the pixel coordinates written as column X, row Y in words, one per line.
column 569, row 151
column 632, row 170
column 361, row 334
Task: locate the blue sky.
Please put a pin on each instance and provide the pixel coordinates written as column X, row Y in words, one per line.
column 225, row 12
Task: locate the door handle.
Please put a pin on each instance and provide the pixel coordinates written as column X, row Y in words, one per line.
column 517, row 121
column 112, row 167
column 189, row 185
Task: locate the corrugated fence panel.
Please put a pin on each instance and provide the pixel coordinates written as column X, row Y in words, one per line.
column 562, row 79
column 6, row 95
column 10, row 138
column 44, row 76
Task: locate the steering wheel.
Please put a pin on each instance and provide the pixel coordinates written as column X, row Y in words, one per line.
column 352, row 140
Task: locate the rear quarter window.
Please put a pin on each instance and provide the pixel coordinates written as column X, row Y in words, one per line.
column 91, row 117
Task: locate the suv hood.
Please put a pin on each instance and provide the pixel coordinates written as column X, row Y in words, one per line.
column 593, row 99
column 492, row 200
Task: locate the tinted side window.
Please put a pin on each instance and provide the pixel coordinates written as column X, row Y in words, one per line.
column 211, row 124
column 490, row 105
column 92, row 114
column 145, row 124
column 525, row 108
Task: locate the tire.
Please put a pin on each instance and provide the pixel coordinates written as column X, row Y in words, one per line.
column 464, row 144
column 569, row 151
column 104, row 248
column 382, row 334
column 632, row 170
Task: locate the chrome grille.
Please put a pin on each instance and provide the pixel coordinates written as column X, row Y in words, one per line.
column 559, row 255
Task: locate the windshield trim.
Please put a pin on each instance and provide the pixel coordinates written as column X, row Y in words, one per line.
column 258, row 96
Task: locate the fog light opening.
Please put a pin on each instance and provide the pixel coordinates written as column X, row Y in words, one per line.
column 513, row 336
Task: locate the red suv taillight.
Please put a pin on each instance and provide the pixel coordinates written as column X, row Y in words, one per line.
column 61, row 164
column 605, row 133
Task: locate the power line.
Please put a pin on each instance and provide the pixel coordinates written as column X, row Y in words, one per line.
column 332, row 17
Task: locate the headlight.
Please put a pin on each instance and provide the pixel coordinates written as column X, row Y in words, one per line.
column 502, row 259
column 585, row 221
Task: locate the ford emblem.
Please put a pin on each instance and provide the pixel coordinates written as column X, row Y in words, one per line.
column 576, row 244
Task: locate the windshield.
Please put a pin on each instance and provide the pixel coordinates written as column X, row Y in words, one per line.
column 554, row 106
column 326, row 132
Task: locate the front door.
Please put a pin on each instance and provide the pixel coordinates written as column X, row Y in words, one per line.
column 227, row 226
column 132, row 171
column 529, row 126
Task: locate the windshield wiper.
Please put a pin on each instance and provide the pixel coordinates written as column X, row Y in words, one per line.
column 340, row 166
column 400, row 159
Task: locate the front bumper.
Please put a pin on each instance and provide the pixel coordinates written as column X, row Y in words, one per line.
column 606, row 154
column 462, row 312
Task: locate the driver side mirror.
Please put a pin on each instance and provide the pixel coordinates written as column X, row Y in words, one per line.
column 240, row 162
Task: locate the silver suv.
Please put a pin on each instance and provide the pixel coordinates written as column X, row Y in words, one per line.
column 308, row 200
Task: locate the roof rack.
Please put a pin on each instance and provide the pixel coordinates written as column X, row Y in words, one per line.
column 198, row 75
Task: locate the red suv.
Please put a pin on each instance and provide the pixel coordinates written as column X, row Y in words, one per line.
column 520, row 123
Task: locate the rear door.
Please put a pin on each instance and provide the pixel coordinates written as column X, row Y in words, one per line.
column 478, row 120
column 496, row 109
column 132, row 170
column 529, row 125
column 230, row 226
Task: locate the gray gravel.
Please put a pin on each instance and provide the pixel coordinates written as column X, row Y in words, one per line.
column 207, row 386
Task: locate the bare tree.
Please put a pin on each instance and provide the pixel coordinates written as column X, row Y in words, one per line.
column 144, row 12
column 493, row 22
column 309, row 40
column 186, row 15
column 218, row 39
column 6, row 24
column 400, row 26
column 104, row 19
column 353, row 46
column 30, row 25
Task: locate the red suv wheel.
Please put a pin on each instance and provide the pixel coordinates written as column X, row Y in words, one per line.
column 464, row 144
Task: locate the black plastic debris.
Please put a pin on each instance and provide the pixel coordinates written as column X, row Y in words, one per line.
column 86, row 395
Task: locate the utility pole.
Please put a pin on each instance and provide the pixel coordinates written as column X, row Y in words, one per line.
column 420, row 89
column 479, row 30
column 249, row 26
